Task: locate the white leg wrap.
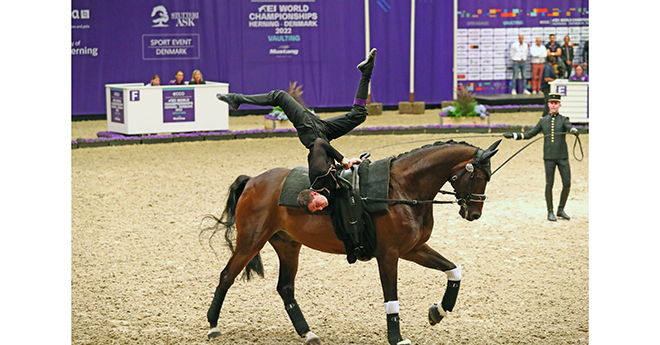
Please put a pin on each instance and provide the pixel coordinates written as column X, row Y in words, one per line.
column 311, row 336
column 455, row 274
column 391, row 307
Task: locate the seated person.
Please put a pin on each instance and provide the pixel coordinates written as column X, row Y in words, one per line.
column 178, row 80
column 579, row 74
column 155, row 80
column 197, row 78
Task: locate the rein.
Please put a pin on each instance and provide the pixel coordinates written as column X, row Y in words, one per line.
column 413, row 202
column 459, row 200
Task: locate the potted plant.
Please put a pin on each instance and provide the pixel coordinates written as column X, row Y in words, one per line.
column 464, row 110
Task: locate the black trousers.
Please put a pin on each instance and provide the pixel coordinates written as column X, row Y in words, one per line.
column 310, row 126
column 546, row 96
column 565, row 172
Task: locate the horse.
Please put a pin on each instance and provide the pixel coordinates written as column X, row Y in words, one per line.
column 253, row 217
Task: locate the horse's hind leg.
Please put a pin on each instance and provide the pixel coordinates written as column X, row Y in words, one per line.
column 248, row 246
column 428, row 257
column 288, row 252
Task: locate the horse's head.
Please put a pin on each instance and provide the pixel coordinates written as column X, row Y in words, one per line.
column 469, row 181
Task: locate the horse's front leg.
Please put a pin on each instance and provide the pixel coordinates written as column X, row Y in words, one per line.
column 428, row 257
column 387, row 267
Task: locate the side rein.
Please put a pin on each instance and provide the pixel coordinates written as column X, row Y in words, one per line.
column 481, row 160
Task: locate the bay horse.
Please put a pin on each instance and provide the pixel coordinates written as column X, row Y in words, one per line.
column 401, row 232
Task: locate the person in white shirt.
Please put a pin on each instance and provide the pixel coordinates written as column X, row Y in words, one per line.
column 539, row 53
column 519, row 51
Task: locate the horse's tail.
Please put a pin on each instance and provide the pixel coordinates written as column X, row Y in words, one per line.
column 229, row 222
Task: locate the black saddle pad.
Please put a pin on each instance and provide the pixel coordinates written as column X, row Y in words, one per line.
column 374, row 183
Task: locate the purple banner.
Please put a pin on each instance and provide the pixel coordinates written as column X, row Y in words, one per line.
column 117, row 105
column 486, row 30
column 282, row 31
column 179, row 105
column 257, row 46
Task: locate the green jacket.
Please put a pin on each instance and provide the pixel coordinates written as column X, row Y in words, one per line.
column 554, row 145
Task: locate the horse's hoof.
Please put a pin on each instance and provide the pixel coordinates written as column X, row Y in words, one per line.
column 404, row 342
column 436, row 314
column 312, row 339
column 213, row 333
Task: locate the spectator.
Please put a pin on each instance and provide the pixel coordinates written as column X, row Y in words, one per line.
column 554, row 49
column 178, row 80
column 197, row 78
column 539, row 53
column 585, row 57
column 579, row 74
column 155, row 80
column 567, row 56
column 547, row 76
column 519, row 51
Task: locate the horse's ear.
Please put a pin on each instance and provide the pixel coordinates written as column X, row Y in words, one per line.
column 494, row 146
column 490, row 152
column 485, row 157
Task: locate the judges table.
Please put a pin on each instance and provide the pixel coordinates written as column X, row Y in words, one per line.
column 574, row 99
column 139, row 109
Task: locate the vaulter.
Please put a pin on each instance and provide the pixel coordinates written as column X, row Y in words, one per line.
column 316, row 134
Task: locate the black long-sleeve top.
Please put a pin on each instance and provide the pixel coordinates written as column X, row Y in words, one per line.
column 554, row 145
column 567, row 53
column 322, row 176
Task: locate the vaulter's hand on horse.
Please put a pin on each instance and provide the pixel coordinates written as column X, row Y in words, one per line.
column 348, row 163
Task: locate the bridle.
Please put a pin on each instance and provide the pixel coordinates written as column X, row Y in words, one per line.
column 480, row 161
column 463, row 199
column 460, row 198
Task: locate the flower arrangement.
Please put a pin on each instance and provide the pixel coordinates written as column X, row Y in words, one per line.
column 465, row 105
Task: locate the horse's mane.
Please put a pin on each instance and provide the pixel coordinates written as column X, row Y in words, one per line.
column 435, row 144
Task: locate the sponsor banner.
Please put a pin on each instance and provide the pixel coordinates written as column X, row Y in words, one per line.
column 488, row 28
column 260, row 45
column 170, row 46
column 117, row 105
column 178, row 105
column 280, row 30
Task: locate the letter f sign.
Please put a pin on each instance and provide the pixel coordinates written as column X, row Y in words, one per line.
column 135, row 95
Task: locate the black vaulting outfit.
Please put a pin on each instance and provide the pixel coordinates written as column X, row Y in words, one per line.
column 555, row 154
column 314, row 132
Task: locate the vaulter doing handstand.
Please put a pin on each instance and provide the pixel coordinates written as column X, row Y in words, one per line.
column 316, row 134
